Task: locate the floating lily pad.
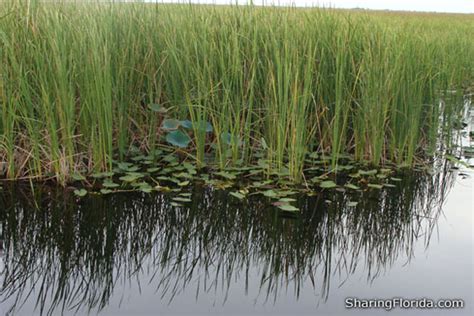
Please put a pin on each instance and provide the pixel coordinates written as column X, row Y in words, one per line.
column 178, row 139
column 288, row 208
column 230, row 139
column 110, row 184
column 157, row 108
column 80, row 193
column 181, row 199
column 145, row 188
column 78, row 177
column 351, row 186
column 200, row 126
column 368, row 172
column 270, row 193
column 131, row 177
column 226, row 175
column 170, row 124
column 375, row 186
column 328, row 184
column 238, row 195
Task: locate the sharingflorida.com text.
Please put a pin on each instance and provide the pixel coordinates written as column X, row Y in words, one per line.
column 403, row 303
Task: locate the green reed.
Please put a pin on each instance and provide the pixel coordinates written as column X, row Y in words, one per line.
column 77, row 79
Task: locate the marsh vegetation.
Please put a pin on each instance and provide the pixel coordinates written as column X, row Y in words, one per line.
column 83, row 83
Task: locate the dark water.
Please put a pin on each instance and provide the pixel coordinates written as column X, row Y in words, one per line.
column 135, row 254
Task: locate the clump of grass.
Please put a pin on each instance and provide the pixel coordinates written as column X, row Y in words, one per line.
column 77, row 82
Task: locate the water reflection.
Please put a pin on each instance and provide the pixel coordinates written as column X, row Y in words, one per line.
column 63, row 255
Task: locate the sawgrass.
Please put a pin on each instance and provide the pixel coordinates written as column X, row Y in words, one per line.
column 279, row 83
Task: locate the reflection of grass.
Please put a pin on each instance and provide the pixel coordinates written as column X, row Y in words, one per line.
column 76, row 81
column 75, row 255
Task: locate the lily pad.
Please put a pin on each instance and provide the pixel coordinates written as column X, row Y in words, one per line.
column 226, row 175
column 230, row 139
column 110, row 184
column 145, row 188
column 238, row 195
column 200, row 126
column 288, row 208
column 375, row 186
column 157, row 108
column 328, row 184
column 170, row 124
column 78, row 177
column 80, row 193
column 351, row 186
column 181, row 199
column 130, row 177
column 178, row 139
column 270, row 193
column 368, row 173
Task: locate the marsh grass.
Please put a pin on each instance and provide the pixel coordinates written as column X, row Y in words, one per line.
column 77, row 79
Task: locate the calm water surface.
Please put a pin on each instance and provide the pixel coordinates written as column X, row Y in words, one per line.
column 136, row 254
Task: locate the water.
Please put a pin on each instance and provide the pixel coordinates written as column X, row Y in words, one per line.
column 135, row 254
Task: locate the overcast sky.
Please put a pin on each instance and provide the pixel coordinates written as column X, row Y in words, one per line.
column 460, row 6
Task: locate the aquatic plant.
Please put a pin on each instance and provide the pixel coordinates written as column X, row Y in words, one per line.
column 81, row 84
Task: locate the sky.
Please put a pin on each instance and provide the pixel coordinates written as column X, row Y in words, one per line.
column 455, row 6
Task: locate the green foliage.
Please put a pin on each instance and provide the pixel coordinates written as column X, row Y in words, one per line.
column 82, row 83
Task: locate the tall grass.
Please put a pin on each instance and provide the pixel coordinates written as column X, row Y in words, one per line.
column 77, row 79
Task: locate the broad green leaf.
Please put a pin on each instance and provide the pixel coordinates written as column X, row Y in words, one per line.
column 352, row 203
column 238, row 195
column 130, row 177
column 145, row 189
column 226, row 175
column 110, row 184
column 170, row 124
column 270, row 193
column 181, row 199
column 78, row 177
column 200, row 126
column 178, row 139
column 187, row 124
column 230, row 139
column 328, row 184
column 288, row 208
column 103, row 174
column 80, row 193
column 351, row 186
column 375, row 186
column 368, row 173
column 157, row 108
